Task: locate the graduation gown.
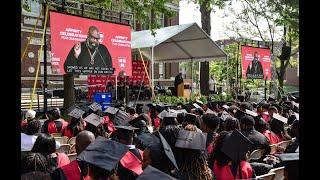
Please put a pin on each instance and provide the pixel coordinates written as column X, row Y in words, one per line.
column 56, row 126
column 255, row 70
column 225, row 173
column 258, row 139
column 130, row 166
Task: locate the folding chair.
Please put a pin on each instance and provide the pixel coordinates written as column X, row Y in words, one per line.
column 269, row 176
column 279, row 173
column 256, row 154
column 56, row 134
column 72, row 149
column 72, row 156
column 62, row 140
column 64, row 148
column 72, row 141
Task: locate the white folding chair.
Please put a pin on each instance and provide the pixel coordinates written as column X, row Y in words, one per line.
column 269, row 176
column 256, row 154
column 279, row 173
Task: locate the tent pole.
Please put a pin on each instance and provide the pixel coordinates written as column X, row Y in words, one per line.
column 152, row 67
column 116, row 88
column 227, row 83
column 191, row 74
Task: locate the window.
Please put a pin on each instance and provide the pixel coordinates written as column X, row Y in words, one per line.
column 33, row 7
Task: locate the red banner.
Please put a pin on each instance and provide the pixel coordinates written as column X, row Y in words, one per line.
column 256, row 63
column 86, row 46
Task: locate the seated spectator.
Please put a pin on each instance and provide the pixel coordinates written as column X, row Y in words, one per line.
column 34, row 162
column 46, row 145
column 72, row 170
column 55, row 124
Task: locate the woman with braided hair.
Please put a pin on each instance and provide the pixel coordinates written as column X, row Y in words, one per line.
column 191, row 158
column 34, row 162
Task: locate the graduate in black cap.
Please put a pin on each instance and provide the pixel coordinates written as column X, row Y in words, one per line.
column 259, row 140
column 130, row 164
column 76, row 123
column 210, row 125
column 169, row 128
column 159, row 155
column 94, row 125
column 72, row 171
column 153, row 173
column 230, row 157
column 231, row 124
column 263, row 127
column 108, row 120
column 101, row 158
column 55, row 124
column 277, row 124
column 191, row 158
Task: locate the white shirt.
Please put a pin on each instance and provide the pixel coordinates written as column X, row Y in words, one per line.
column 27, row 142
column 211, row 84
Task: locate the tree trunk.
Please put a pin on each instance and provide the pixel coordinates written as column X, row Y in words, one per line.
column 281, row 78
column 204, row 66
column 68, row 93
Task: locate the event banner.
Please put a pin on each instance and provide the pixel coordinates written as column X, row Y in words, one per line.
column 256, row 63
column 86, row 46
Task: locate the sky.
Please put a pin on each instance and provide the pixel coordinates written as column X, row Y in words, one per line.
column 190, row 12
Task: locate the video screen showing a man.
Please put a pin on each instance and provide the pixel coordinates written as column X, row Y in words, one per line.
column 89, row 53
column 254, row 69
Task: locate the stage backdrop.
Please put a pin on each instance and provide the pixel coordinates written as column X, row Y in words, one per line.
column 260, row 68
column 67, row 30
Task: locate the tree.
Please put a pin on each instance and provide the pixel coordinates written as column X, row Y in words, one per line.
column 206, row 7
column 279, row 16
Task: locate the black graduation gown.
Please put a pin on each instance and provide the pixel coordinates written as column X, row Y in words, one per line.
column 102, row 57
column 255, row 70
column 259, row 140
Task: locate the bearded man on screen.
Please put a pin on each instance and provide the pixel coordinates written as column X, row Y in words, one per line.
column 89, row 53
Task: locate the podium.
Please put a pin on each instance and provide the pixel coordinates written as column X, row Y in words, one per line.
column 180, row 89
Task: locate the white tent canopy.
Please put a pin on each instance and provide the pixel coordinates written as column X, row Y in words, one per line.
column 186, row 42
column 180, row 43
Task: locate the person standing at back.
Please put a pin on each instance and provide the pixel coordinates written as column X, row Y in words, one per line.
column 212, row 85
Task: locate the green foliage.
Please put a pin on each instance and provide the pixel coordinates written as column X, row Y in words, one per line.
column 220, row 97
column 170, row 100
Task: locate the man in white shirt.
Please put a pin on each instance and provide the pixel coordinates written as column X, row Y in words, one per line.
column 212, row 85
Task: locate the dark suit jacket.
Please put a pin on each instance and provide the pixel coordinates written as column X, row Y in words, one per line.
column 255, row 70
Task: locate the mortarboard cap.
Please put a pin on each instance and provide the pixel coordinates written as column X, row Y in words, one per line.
column 121, row 118
column 295, row 104
column 196, row 105
column 153, row 173
column 94, row 119
column 128, row 128
column 191, row 140
column 95, row 106
column 85, row 108
column 226, row 107
column 279, row 117
column 199, row 102
column 111, row 110
column 236, row 145
column 181, row 111
column 168, row 151
column 103, row 153
column 251, row 113
column 75, row 112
